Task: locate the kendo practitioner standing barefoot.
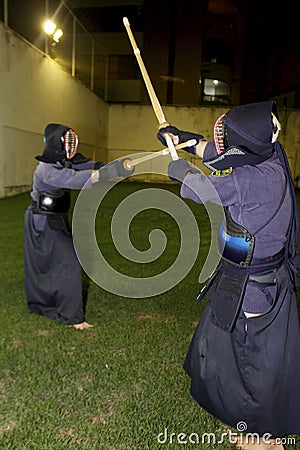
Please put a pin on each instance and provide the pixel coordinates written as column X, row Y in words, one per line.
column 53, row 279
column 243, row 359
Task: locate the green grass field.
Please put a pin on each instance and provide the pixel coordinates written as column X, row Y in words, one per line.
column 116, row 386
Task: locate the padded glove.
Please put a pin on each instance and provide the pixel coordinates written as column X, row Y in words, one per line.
column 182, row 135
column 115, row 169
column 178, row 169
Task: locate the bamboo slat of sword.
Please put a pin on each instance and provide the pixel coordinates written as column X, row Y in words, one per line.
column 153, row 98
column 165, row 151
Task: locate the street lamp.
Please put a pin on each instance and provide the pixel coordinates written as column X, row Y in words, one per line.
column 53, row 31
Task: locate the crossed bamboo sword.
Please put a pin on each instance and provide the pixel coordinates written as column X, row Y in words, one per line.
column 172, row 149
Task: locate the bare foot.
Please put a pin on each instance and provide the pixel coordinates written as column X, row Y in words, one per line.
column 82, row 326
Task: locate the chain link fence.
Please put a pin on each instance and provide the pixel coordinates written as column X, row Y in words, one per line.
column 113, row 77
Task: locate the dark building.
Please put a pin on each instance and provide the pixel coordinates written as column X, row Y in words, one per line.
column 211, row 51
column 197, row 52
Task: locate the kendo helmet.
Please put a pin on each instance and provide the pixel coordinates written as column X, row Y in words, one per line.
column 245, row 135
column 61, row 143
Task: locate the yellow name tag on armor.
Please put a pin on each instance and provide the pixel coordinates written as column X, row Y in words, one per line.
column 222, row 173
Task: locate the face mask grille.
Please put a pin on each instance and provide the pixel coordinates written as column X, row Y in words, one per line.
column 219, row 137
column 70, row 141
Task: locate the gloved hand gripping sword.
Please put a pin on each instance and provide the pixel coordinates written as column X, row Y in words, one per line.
column 155, row 104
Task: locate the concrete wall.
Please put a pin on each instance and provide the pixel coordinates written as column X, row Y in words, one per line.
column 36, row 91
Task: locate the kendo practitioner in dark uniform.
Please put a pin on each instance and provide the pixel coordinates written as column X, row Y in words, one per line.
column 53, row 281
column 243, row 359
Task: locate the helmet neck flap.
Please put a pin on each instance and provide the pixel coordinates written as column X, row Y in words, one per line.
column 245, row 135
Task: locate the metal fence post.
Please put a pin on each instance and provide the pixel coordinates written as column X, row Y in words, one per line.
column 106, row 79
column 46, row 36
column 74, row 47
column 92, row 65
column 5, row 6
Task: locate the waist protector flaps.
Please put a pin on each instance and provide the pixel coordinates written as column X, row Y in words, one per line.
column 57, row 201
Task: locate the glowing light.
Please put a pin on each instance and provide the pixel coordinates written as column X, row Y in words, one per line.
column 49, row 27
column 53, row 31
column 57, row 34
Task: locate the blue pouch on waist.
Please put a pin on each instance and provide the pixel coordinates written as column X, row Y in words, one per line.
column 236, row 244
